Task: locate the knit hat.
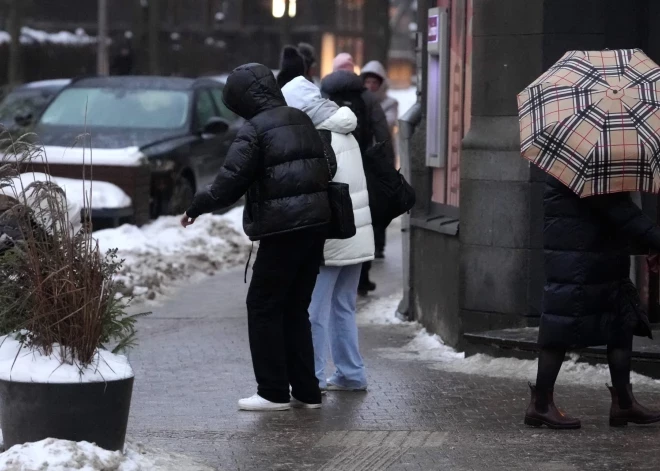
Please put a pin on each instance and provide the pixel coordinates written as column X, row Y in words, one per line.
column 343, row 61
column 292, row 65
column 308, row 53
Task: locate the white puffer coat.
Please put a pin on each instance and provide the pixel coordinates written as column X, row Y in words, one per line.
column 341, row 122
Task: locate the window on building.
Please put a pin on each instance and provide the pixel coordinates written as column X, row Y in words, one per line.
column 354, row 46
column 350, row 15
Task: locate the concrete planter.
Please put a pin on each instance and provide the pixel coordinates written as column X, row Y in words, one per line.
column 92, row 412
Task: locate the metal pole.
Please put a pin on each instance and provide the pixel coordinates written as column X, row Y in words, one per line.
column 154, row 31
column 102, row 66
column 285, row 26
column 14, row 69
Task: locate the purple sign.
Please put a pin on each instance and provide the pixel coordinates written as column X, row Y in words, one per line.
column 433, row 29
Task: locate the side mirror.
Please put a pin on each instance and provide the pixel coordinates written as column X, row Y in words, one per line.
column 23, row 120
column 215, row 126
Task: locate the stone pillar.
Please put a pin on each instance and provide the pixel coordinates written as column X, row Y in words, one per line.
column 501, row 263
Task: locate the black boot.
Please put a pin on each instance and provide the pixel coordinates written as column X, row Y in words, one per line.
column 542, row 411
column 627, row 410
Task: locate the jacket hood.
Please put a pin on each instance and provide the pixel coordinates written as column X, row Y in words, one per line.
column 377, row 69
column 374, row 68
column 302, row 94
column 292, row 64
column 343, row 121
column 252, row 89
column 340, row 82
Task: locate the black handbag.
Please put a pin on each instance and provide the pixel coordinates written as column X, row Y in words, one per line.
column 390, row 195
column 342, row 218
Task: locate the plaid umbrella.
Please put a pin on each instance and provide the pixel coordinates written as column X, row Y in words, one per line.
column 593, row 122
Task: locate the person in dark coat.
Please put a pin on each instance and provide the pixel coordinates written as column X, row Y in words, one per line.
column 292, row 65
column 308, row 54
column 346, row 88
column 122, row 63
column 589, row 299
column 278, row 161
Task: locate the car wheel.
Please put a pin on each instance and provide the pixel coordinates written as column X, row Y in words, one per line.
column 182, row 195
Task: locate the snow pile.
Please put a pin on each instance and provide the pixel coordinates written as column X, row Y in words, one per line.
column 22, row 364
column 63, row 455
column 99, row 195
column 35, row 36
column 96, row 194
column 431, row 349
column 125, row 157
column 406, row 97
column 163, row 252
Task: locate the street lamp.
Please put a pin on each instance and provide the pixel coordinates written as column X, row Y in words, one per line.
column 280, row 7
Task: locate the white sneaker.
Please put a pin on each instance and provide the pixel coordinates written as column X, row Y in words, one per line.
column 258, row 403
column 295, row 403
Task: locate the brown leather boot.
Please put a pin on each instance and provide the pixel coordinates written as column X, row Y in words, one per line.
column 635, row 414
column 552, row 417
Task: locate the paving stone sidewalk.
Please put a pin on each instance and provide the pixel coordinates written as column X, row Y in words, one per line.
column 193, row 364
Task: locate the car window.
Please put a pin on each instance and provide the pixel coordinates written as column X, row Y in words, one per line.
column 117, row 107
column 204, row 108
column 23, row 103
column 224, row 111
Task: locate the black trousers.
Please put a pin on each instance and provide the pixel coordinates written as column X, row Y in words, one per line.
column 379, row 238
column 364, row 275
column 284, row 276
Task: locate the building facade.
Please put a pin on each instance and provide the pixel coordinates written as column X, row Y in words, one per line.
column 476, row 259
column 204, row 37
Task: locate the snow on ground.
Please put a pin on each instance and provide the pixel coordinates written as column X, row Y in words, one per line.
column 406, row 97
column 431, row 349
column 63, row 455
column 381, row 311
column 162, row 253
column 26, row 365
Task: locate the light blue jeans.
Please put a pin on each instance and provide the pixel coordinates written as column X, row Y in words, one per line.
column 332, row 314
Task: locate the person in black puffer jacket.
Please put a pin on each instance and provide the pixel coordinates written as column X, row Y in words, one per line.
column 346, row 88
column 278, row 159
column 589, row 299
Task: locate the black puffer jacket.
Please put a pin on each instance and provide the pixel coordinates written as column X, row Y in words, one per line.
column 588, row 297
column 277, row 159
column 345, row 88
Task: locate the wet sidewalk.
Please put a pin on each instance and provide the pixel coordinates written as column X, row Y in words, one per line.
column 193, row 364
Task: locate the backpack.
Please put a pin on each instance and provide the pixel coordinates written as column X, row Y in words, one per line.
column 390, row 195
column 353, row 100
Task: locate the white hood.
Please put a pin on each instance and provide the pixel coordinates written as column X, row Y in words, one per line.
column 302, row 94
column 343, row 121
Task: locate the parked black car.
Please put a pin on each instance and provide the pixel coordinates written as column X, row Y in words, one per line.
column 179, row 127
column 23, row 103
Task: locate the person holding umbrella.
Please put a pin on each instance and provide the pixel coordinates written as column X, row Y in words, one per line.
column 591, row 123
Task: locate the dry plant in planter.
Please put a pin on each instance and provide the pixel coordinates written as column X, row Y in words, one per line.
column 59, row 310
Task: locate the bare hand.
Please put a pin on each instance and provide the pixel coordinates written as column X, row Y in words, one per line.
column 187, row 221
column 653, row 263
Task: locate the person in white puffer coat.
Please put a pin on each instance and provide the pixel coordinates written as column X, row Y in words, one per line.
column 333, row 307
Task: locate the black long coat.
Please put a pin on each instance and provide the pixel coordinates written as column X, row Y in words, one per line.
column 277, row 160
column 588, row 298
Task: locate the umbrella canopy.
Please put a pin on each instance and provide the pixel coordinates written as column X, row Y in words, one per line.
column 593, row 122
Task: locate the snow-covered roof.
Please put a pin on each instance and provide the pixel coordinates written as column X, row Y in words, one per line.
column 32, row 36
